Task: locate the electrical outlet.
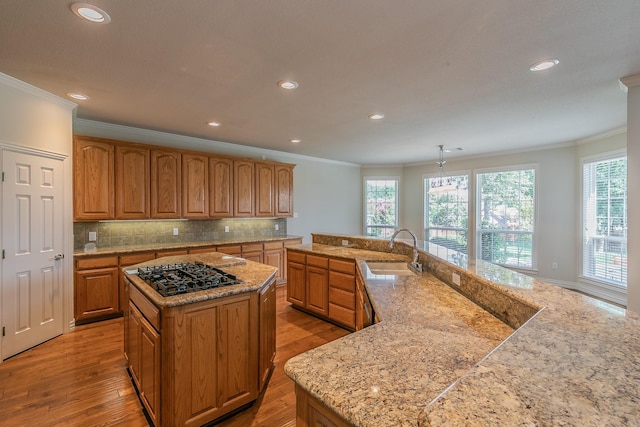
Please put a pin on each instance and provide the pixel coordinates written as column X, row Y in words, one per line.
column 345, row 243
column 93, row 236
column 455, row 278
column 175, row 231
column 277, row 227
column 295, row 214
column 226, row 228
column 554, row 265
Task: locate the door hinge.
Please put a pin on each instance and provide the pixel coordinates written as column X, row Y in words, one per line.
column 3, row 331
column 3, row 254
column 2, row 176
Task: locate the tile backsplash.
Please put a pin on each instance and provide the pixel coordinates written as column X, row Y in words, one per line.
column 129, row 233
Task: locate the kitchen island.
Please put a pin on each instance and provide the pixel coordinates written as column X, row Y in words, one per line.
column 197, row 356
column 572, row 360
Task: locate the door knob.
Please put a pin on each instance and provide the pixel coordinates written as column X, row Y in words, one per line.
column 58, row 257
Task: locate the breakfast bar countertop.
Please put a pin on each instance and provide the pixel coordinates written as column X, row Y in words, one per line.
column 433, row 361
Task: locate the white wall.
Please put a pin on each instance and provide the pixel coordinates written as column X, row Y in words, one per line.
column 327, row 194
column 30, row 117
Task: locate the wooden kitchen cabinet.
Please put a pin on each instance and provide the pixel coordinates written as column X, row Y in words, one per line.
column 265, row 189
column 93, row 179
column 342, row 292
column 310, row 412
column 144, row 353
column 317, row 284
column 274, row 256
column 195, row 186
column 243, row 188
column 267, row 333
column 96, row 293
column 132, row 182
column 220, row 187
column 166, row 179
column 233, row 250
column 253, row 252
column 296, row 278
column 283, row 197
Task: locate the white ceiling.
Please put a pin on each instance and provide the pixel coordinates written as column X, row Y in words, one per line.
column 443, row 72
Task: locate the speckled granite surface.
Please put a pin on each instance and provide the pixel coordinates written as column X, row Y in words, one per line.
column 117, row 250
column 253, row 274
column 575, row 362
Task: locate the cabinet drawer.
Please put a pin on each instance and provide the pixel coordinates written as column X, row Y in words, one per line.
column 342, row 266
column 318, row 261
column 230, row 250
column 205, row 250
column 342, row 298
column 170, row 253
column 342, row 315
column 272, row 245
column 296, row 257
column 292, row 242
column 126, row 260
column 343, row 281
column 146, row 307
column 255, row 247
column 98, row 262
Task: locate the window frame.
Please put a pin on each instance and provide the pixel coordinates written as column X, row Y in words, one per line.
column 470, row 206
column 478, row 208
column 365, row 179
column 601, row 157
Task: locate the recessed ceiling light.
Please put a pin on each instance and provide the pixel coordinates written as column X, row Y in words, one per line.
column 214, row 124
column 91, row 13
column 78, row 96
column 288, row 84
column 295, row 141
column 376, row 116
column 544, row 65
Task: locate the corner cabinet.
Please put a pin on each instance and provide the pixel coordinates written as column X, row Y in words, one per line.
column 284, row 190
column 93, row 182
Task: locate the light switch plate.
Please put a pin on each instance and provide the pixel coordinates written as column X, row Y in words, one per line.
column 93, row 236
column 226, row 228
column 176, row 231
column 277, row 227
column 456, row 279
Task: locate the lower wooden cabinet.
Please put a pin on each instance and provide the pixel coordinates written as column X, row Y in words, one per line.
column 96, row 293
column 310, row 412
column 274, row 256
column 211, row 357
column 296, row 282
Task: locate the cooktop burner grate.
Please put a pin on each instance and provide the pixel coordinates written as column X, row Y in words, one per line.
column 182, row 278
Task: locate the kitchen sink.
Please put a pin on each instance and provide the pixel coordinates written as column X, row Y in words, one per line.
column 390, row 268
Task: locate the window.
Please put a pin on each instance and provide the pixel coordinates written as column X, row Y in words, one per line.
column 446, row 219
column 604, row 220
column 381, row 206
column 506, row 217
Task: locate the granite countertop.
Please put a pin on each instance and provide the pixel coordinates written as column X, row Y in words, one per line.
column 254, row 275
column 438, row 359
column 117, row 250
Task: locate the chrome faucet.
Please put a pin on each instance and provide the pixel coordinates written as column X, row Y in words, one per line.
column 414, row 264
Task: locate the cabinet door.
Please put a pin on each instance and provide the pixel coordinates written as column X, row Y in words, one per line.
column 267, row 332
column 96, row 293
column 275, row 258
column 284, row 190
column 93, row 183
column 264, row 189
column 220, row 187
column 243, row 188
column 296, row 284
column 133, row 336
column 317, row 290
column 150, row 369
column 132, row 182
column 195, row 186
column 165, row 184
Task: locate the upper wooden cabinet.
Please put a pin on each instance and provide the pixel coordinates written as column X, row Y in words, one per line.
column 283, row 190
column 93, row 183
column 264, row 189
column 132, row 182
column 195, row 186
column 243, row 188
column 220, row 187
column 165, row 184
column 120, row 180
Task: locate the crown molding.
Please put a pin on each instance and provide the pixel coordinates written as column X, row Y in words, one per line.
column 32, row 90
column 148, row 136
column 631, row 81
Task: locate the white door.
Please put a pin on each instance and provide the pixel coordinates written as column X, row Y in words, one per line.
column 31, row 287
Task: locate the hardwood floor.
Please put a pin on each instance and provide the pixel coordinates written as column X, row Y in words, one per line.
column 79, row 379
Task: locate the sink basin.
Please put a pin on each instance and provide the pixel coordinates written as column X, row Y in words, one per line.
column 390, row 268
